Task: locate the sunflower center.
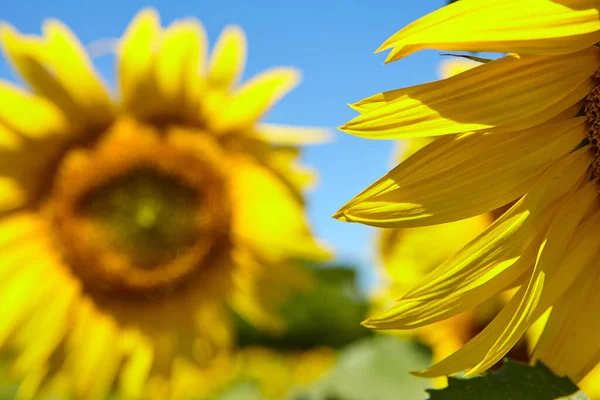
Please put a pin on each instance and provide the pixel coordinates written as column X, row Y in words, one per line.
column 147, row 216
column 592, row 111
column 140, row 212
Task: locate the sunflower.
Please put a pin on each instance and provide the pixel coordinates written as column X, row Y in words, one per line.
column 129, row 226
column 524, row 128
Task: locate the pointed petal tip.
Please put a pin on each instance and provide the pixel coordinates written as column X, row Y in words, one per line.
column 7, row 30
column 425, row 373
column 347, row 127
column 341, row 216
column 383, row 46
column 367, row 323
column 376, row 322
column 147, row 13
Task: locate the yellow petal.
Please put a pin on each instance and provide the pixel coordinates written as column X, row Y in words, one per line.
column 12, row 195
column 247, row 299
column 36, row 62
column 255, row 97
column 26, row 279
column 507, row 324
column 530, row 301
column 468, row 279
column 73, row 68
column 491, row 261
column 228, row 58
column 408, row 255
column 285, row 234
column 50, row 318
column 136, row 62
column 286, row 135
column 569, row 343
column 178, row 65
column 30, row 385
column 28, row 115
column 509, row 26
column 24, row 166
column 137, row 365
column 493, row 95
column 18, row 227
column 455, row 66
column 94, row 356
column 463, row 176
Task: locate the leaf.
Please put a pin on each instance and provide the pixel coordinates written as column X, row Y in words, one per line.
column 515, row 381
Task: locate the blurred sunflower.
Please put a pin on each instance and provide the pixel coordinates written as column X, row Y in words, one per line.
column 126, row 226
column 524, row 127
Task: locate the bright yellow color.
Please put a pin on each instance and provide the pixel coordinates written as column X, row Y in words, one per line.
column 406, row 256
column 128, row 224
column 522, row 128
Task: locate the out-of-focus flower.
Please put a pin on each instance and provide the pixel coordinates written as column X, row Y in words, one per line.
column 520, row 128
column 128, row 225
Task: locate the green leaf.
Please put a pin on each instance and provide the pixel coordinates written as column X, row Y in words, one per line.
column 515, row 381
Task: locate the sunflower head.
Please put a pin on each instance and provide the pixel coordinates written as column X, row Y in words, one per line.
column 517, row 133
column 143, row 218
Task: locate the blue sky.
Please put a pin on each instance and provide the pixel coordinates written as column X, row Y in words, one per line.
column 332, row 42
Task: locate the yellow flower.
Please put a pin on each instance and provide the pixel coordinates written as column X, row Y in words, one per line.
column 524, row 127
column 127, row 226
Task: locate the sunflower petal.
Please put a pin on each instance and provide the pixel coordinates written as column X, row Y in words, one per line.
column 136, row 62
column 255, row 97
column 494, row 277
column 50, row 318
column 497, row 257
column 137, row 365
column 92, row 334
column 285, row 234
column 28, row 115
column 508, row 323
column 73, row 68
column 463, row 176
column 14, row 306
column 493, row 95
column 285, row 135
column 178, row 66
column 539, row 27
column 228, row 58
column 456, row 65
column 569, row 343
column 408, row 255
column 529, row 302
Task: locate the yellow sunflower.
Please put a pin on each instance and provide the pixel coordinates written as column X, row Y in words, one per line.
column 127, row 225
column 523, row 128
